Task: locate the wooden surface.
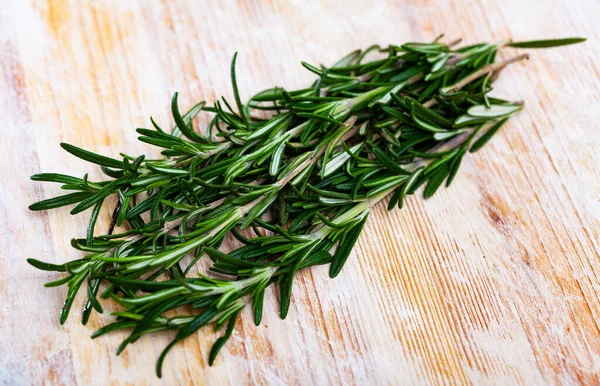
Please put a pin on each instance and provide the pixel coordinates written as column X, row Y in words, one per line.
column 493, row 281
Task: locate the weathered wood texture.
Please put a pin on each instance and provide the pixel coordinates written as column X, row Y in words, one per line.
column 495, row 280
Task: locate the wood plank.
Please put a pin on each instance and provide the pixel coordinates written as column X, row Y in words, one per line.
column 494, row 280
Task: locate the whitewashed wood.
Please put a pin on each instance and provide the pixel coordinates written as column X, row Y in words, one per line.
column 494, row 281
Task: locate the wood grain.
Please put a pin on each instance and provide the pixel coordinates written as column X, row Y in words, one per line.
column 493, row 281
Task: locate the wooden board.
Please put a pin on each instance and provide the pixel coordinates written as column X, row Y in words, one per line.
column 495, row 280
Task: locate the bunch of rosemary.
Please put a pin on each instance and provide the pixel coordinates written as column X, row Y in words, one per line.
column 301, row 180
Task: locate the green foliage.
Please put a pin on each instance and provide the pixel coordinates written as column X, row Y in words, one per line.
column 303, row 181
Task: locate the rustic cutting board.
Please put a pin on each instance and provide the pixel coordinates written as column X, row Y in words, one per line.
column 495, row 280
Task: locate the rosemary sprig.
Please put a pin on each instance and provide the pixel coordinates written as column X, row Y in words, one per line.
column 303, row 178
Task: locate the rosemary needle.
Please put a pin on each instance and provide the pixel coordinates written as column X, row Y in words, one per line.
column 303, row 180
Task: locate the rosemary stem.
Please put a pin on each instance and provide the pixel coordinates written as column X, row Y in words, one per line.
column 486, row 70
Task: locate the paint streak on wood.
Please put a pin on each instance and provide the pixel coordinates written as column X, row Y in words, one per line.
column 495, row 280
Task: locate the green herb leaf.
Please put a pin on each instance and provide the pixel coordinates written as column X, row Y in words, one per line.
column 59, row 201
column 487, row 136
column 345, row 247
column 184, row 126
column 546, row 43
column 92, row 157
